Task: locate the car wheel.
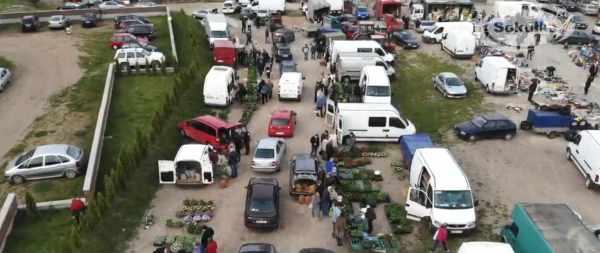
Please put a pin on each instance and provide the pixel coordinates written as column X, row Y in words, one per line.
column 183, row 134
column 473, row 138
column 17, row 179
column 1, row 88
column 193, row 16
column 70, row 174
column 569, row 156
column 445, row 94
column 156, row 63
column 432, row 229
column 508, row 136
column 552, row 135
column 588, row 182
column 124, row 66
column 115, row 47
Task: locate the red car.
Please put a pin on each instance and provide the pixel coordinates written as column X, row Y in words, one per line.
column 118, row 39
column 349, row 29
column 282, row 123
column 211, row 130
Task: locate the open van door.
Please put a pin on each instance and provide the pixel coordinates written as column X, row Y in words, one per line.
column 330, row 113
column 166, row 172
column 416, row 202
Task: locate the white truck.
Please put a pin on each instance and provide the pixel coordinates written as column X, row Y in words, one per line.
column 336, row 7
column 355, row 46
column 277, row 6
column 216, row 28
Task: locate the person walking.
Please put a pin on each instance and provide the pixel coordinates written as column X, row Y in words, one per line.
column 305, row 50
column 207, row 232
column 532, row 88
column 530, row 50
column 320, row 102
column 336, row 214
column 370, row 215
column 243, row 25
column 268, row 70
column 260, row 67
column 323, row 151
column 267, row 35
column 313, row 51
column 588, row 83
column 357, row 93
column 77, row 207
column 594, row 70
column 314, row 144
column 270, row 85
column 213, row 156
column 340, row 228
column 325, row 200
column 233, row 158
column 237, row 140
column 211, row 246
column 248, row 37
column 246, row 137
column 440, row 237
column 316, row 205
column 264, row 92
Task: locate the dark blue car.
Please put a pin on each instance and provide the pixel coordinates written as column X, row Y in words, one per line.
column 362, row 12
column 287, row 66
column 486, row 126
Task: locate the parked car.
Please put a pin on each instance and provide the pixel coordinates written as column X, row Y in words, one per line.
column 139, row 44
column 58, row 21
column 138, row 56
column 349, row 30
column 4, row 78
column 262, row 203
column 486, row 126
column 588, row 9
column 119, row 39
column 569, row 6
column 347, row 18
column 30, row 23
column 70, row 6
column 122, row 18
column 284, row 34
column 554, row 9
column 48, row 161
column 281, row 51
column 282, row 123
column 362, row 12
column 268, row 155
column 110, row 5
column 579, row 22
column 596, row 29
column 303, row 172
column 230, row 7
column 127, row 23
column 140, row 31
column 450, row 85
column 257, row 248
column 90, row 20
column 201, row 14
column 426, row 25
column 287, row 66
column 576, row 37
column 247, row 13
column 405, row 39
column 145, row 4
column 211, row 130
column 263, row 16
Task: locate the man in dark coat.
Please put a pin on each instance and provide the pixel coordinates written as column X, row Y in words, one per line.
column 237, row 141
column 358, row 93
column 213, row 156
column 248, row 38
column 588, row 83
column 247, row 141
column 329, row 149
column 532, row 88
column 208, row 232
column 314, row 144
column 370, row 215
column 233, row 158
column 241, row 92
column 325, row 200
column 243, row 25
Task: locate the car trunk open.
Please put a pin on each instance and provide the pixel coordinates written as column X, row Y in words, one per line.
column 304, row 183
column 190, row 173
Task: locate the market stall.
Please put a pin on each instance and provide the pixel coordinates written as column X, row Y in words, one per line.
column 448, row 10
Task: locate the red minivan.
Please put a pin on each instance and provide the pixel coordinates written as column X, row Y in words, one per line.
column 211, row 130
column 224, row 53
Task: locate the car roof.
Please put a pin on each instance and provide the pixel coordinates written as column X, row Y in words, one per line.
column 219, row 73
column 263, row 180
column 494, row 116
column 122, row 34
column 287, row 63
column 440, row 161
column 499, row 61
column 212, row 121
column 51, row 149
column 283, row 46
column 268, row 143
column 291, row 76
column 281, row 114
column 190, row 152
column 304, row 162
column 257, row 247
column 448, row 75
column 57, row 16
column 223, row 43
column 27, row 17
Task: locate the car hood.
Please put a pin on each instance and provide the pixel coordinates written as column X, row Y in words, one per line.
column 11, row 164
column 457, row 89
column 412, row 41
column 467, row 127
column 453, row 216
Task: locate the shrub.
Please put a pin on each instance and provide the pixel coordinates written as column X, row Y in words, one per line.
column 84, row 225
column 137, row 68
column 128, row 68
column 101, row 202
column 32, row 212
column 121, row 176
column 109, row 188
column 92, row 213
column 75, row 237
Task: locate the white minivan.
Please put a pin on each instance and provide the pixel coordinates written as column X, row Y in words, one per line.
column 584, row 151
column 373, row 122
column 375, row 85
column 191, row 167
column 439, row 192
column 459, row 44
column 349, row 65
column 291, row 85
column 416, row 12
column 358, row 46
column 435, row 34
column 218, row 84
column 497, row 75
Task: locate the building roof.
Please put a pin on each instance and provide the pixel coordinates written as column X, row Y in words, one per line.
column 561, row 228
column 190, row 152
column 446, row 173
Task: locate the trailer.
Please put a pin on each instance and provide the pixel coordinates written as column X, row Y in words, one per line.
column 409, row 145
column 317, row 9
column 382, row 7
column 547, row 122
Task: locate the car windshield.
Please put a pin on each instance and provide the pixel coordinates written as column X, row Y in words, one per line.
column 218, row 34
column 284, row 51
column 363, row 9
column 479, row 121
column 28, row 20
column 264, row 153
column 453, row 199
column 407, row 36
column 55, row 19
column 262, row 205
column 578, row 18
column 378, row 91
column 288, row 69
column 280, row 122
column 227, row 4
column 24, row 157
column 74, row 152
column 453, row 81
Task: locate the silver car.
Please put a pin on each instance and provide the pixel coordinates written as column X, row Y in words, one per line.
column 201, row 14
column 268, row 155
column 426, row 25
column 4, row 78
column 55, row 160
column 587, row 9
column 450, row 85
column 58, row 21
column 145, row 4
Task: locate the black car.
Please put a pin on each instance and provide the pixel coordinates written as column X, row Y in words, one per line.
column 30, row 23
column 140, row 31
column 283, row 34
column 486, row 126
column 348, row 18
column 262, row 203
column 315, row 250
column 303, row 171
column 120, row 18
column 576, row 37
column 405, row 39
column 281, row 51
column 579, row 22
column 90, row 20
column 570, row 6
column 257, row 248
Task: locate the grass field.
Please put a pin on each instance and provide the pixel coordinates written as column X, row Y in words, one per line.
column 424, row 105
column 38, row 236
column 5, row 63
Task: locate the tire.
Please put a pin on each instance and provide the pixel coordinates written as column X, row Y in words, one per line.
column 508, row 136
column 123, row 65
column 582, row 124
column 525, row 125
column 70, row 174
column 115, row 47
column 17, row 179
column 431, row 227
column 431, row 41
column 569, row 156
column 472, row 138
column 445, row 94
column 552, row 135
column 555, row 107
column 156, row 63
column 574, row 125
column 569, row 134
column 193, row 16
column 182, row 132
column 588, row 182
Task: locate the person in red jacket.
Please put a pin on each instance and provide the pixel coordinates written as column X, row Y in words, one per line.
column 77, row 207
column 440, row 237
column 211, row 246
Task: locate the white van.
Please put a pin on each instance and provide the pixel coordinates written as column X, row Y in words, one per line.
column 416, row 12
column 270, row 5
column 502, row 9
column 216, row 28
column 375, row 122
column 485, row 247
column 358, row 46
column 349, row 65
column 291, row 85
column 459, row 44
column 218, row 84
column 439, row 192
column 584, row 151
column 190, row 167
column 375, row 85
column 435, row 34
column 497, row 75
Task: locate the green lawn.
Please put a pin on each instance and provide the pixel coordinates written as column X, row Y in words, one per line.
column 162, row 41
column 5, row 63
column 40, row 236
column 424, row 105
column 31, row 5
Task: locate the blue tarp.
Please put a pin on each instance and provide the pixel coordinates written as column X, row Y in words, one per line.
column 410, row 144
column 540, row 119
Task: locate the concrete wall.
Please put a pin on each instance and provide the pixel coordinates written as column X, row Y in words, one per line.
column 7, row 217
column 15, row 17
column 172, row 35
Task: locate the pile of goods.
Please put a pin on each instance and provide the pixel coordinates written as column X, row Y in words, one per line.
column 177, row 243
column 350, row 163
column 348, row 153
column 359, row 174
column 359, row 239
column 248, row 111
column 366, row 198
column 193, row 211
column 397, row 169
column 359, row 186
column 372, row 151
column 148, row 219
column 396, row 215
column 310, row 188
column 305, row 199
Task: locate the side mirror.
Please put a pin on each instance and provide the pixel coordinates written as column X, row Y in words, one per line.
column 476, row 203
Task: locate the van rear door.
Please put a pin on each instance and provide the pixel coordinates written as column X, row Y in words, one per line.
column 166, row 172
column 330, row 113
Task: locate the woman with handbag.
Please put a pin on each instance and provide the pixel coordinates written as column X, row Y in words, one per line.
column 440, row 237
